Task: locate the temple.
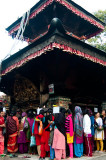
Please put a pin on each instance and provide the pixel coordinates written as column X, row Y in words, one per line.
column 57, row 67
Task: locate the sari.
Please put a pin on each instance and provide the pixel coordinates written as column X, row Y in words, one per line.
column 1, row 136
column 12, row 145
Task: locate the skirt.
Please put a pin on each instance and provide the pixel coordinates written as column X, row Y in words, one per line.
column 12, row 145
column 1, row 143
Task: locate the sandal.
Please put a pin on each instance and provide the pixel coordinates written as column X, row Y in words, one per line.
column 3, row 155
column 26, row 157
column 11, row 156
column 14, row 155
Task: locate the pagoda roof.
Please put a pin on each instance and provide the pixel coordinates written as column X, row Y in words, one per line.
column 55, row 39
column 76, row 20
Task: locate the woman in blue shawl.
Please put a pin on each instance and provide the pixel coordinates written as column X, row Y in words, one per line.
column 78, row 132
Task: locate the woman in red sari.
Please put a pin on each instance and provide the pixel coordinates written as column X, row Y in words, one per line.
column 12, row 132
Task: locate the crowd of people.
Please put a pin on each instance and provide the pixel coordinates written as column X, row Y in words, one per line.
column 57, row 136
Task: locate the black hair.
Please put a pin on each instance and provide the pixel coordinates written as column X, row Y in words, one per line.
column 30, row 114
column 50, row 110
column 13, row 113
column 41, row 112
column 1, row 103
column 86, row 111
column 35, row 110
column 7, row 112
column 69, row 111
column 62, row 110
column 1, row 109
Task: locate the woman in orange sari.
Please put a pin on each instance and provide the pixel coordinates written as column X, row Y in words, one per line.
column 12, row 132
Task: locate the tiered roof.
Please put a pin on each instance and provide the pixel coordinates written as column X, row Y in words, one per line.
column 56, row 38
column 77, row 21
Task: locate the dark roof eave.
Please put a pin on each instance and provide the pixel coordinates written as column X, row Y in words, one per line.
column 17, row 22
column 53, row 31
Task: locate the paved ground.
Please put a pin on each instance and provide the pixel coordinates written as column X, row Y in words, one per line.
column 96, row 156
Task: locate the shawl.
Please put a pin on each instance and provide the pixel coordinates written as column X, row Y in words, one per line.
column 36, row 124
column 11, row 125
column 60, row 122
column 78, row 122
column 30, row 121
column 69, row 118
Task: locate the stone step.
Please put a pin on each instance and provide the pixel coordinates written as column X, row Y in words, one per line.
column 96, row 156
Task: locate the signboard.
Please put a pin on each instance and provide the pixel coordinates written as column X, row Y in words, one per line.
column 95, row 110
column 56, row 110
column 51, row 89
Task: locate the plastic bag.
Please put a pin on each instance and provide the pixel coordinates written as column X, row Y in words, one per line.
column 32, row 141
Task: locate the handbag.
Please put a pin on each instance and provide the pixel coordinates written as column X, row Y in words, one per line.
column 32, row 141
column 40, row 129
column 100, row 129
column 26, row 125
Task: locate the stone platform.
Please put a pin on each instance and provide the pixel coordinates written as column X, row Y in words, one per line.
column 96, row 156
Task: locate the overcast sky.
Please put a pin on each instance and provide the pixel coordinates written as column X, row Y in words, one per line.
column 10, row 10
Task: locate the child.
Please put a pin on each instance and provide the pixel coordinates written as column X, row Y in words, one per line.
column 52, row 153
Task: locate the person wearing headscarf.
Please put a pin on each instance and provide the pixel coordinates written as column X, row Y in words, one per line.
column 104, row 126
column 87, row 133
column 69, row 131
column 99, row 132
column 78, row 132
column 59, row 135
column 21, row 140
column 24, row 115
column 92, row 128
column 12, row 132
column 2, row 125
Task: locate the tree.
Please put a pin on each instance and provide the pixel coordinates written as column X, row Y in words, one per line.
column 99, row 41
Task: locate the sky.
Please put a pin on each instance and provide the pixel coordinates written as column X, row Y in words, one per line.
column 11, row 10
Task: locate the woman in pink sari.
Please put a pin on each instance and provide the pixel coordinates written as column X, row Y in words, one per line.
column 2, row 124
column 69, row 131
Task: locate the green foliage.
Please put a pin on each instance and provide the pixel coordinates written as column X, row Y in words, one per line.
column 100, row 15
column 99, row 41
